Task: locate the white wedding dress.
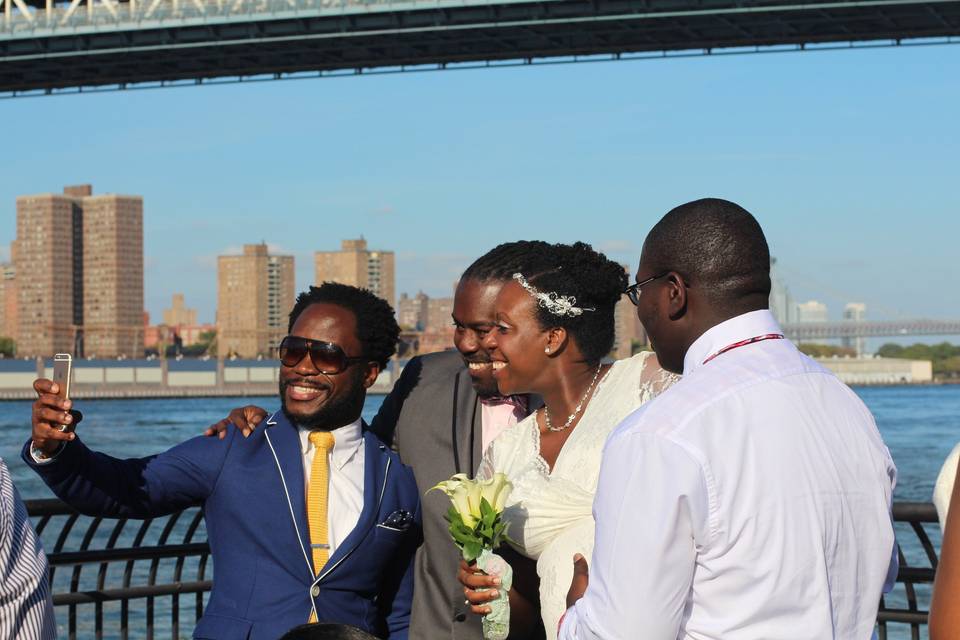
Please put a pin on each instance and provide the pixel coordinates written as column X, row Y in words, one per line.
column 550, row 513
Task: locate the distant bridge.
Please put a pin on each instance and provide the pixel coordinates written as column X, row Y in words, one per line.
column 808, row 331
column 53, row 45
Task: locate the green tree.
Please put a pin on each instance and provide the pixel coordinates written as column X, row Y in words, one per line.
column 7, row 347
column 944, row 356
column 208, row 340
column 815, row 350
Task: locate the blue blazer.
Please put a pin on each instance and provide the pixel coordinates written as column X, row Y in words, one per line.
column 252, row 493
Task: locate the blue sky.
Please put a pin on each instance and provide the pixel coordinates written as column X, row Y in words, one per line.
column 849, row 159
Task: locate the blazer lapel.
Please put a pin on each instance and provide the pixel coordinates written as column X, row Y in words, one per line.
column 284, row 442
column 468, row 435
column 375, row 469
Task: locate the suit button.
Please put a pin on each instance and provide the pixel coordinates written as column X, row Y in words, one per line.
column 460, row 617
column 315, row 591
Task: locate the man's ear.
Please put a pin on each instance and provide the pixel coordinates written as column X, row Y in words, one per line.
column 676, row 295
column 370, row 376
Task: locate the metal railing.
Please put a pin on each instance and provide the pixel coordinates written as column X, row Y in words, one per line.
column 109, row 565
column 918, row 536
column 98, row 563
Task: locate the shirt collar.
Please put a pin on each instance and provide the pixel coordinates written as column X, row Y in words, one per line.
column 347, row 441
column 742, row 327
column 519, row 402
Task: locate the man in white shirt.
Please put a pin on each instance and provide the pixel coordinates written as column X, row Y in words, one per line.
column 750, row 500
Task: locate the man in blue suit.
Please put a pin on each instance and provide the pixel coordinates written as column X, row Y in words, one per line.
column 347, row 556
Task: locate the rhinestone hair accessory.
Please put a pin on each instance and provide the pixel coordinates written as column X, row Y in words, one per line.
column 553, row 302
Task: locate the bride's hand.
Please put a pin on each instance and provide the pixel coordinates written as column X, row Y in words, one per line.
column 472, row 579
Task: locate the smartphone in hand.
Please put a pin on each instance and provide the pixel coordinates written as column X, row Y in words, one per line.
column 62, row 373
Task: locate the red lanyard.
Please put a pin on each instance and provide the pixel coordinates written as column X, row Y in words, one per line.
column 743, row 343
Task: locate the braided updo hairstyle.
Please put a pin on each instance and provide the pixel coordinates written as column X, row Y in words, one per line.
column 593, row 279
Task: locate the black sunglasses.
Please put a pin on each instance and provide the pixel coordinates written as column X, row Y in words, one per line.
column 633, row 291
column 327, row 357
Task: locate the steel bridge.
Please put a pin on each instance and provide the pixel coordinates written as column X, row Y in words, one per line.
column 54, row 45
column 806, row 331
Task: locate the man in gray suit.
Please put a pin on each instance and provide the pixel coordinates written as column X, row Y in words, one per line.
column 440, row 415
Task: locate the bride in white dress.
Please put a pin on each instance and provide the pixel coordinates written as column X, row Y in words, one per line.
column 555, row 321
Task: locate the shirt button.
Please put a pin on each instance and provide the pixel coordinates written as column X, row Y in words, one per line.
column 460, row 617
column 315, row 591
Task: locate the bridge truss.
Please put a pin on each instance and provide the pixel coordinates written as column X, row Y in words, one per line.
column 811, row 331
column 51, row 45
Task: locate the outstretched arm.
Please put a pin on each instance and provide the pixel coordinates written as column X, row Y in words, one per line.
column 98, row 484
column 245, row 419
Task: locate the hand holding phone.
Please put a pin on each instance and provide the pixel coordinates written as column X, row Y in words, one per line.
column 62, row 374
column 53, row 417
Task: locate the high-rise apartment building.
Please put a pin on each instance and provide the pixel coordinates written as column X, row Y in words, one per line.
column 8, row 301
column 356, row 265
column 112, row 275
column 178, row 314
column 782, row 305
column 812, row 311
column 255, row 294
column 855, row 312
column 440, row 316
column 84, row 254
column 412, row 312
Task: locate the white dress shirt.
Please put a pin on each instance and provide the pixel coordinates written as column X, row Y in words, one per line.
column 750, row 500
column 345, row 477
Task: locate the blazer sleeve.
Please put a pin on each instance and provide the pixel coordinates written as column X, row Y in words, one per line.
column 385, row 422
column 100, row 485
column 397, row 599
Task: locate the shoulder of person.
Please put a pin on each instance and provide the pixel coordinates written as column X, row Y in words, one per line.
column 432, row 368
column 441, row 363
column 401, row 474
column 385, row 452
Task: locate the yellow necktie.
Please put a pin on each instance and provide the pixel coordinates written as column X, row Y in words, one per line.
column 317, row 498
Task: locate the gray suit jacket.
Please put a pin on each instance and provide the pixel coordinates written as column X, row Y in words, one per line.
column 433, row 419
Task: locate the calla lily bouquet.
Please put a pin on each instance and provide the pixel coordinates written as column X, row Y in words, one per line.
column 477, row 528
column 474, row 516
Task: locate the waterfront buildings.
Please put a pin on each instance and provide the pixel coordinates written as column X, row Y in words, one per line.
column 178, row 314
column 428, row 322
column 782, row 306
column 84, row 254
column 412, row 312
column 359, row 266
column 855, row 312
column 178, row 329
column 8, row 300
column 880, row 370
column 627, row 327
column 255, row 293
column 812, row 311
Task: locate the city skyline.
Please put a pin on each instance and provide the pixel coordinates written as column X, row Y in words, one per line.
column 844, row 157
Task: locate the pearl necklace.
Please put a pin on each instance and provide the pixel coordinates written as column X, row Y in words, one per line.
column 576, row 411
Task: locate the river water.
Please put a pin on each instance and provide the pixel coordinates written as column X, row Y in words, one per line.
column 920, row 425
